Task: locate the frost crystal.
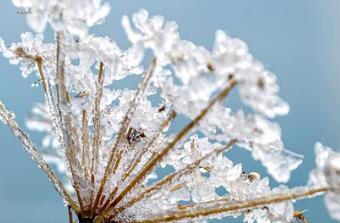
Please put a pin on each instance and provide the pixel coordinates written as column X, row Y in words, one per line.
column 109, row 142
column 332, row 198
column 317, row 176
column 73, row 16
column 327, row 174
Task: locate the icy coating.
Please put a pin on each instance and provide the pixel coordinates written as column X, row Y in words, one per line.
column 108, row 141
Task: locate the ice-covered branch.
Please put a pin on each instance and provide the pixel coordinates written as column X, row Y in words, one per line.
column 118, row 150
column 8, row 118
column 236, row 206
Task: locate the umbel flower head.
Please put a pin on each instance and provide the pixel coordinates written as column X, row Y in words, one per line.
column 109, row 141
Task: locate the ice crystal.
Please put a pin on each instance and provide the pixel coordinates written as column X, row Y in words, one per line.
column 109, row 143
column 327, row 174
column 71, row 15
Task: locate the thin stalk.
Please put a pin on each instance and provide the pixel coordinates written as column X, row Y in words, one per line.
column 50, row 99
column 149, row 166
column 96, row 120
column 32, row 149
column 66, row 119
column 85, row 142
column 236, row 206
column 39, row 63
column 200, row 204
column 116, row 151
column 97, row 129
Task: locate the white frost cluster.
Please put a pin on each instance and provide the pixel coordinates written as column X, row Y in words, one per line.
column 74, row 16
column 110, row 142
column 327, row 174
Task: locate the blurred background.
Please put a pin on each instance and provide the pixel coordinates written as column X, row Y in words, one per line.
column 299, row 40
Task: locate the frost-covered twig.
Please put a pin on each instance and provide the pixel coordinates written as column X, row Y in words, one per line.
column 237, row 206
column 117, row 152
column 69, row 132
column 8, row 118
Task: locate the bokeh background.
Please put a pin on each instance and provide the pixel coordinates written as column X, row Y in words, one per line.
column 299, row 40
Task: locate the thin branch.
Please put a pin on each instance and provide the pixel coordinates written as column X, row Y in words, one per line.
column 39, row 62
column 21, row 53
column 116, row 151
column 66, row 119
column 149, row 166
column 236, row 206
column 56, row 120
column 96, row 120
column 32, row 149
column 85, row 142
column 97, row 129
column 205, row 203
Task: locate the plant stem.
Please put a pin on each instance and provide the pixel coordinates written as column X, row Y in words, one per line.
column 236, row 206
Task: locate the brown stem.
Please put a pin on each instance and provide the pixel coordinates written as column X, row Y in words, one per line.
column 235, row 206
column 66, row 119
column 56, row 119
column 32, row 149
column 116, row 152
column 39, row 62
column 50, row 101
column 96, row 119
column 97, row 130
column 85, row 141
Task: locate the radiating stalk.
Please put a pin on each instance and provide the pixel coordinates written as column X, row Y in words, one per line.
column 66, row 118
column 32, row 149
column 97, row 128
column 235, row 206
column 21, row 53
column 96, row 119
column 56, row 120
column 116, row 151
column 86, row 144
column 150, row 165
column 204, row 203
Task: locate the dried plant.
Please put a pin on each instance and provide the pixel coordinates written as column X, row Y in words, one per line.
column 108, row 141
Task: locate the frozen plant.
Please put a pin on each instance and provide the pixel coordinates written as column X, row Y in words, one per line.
column 108, row 142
